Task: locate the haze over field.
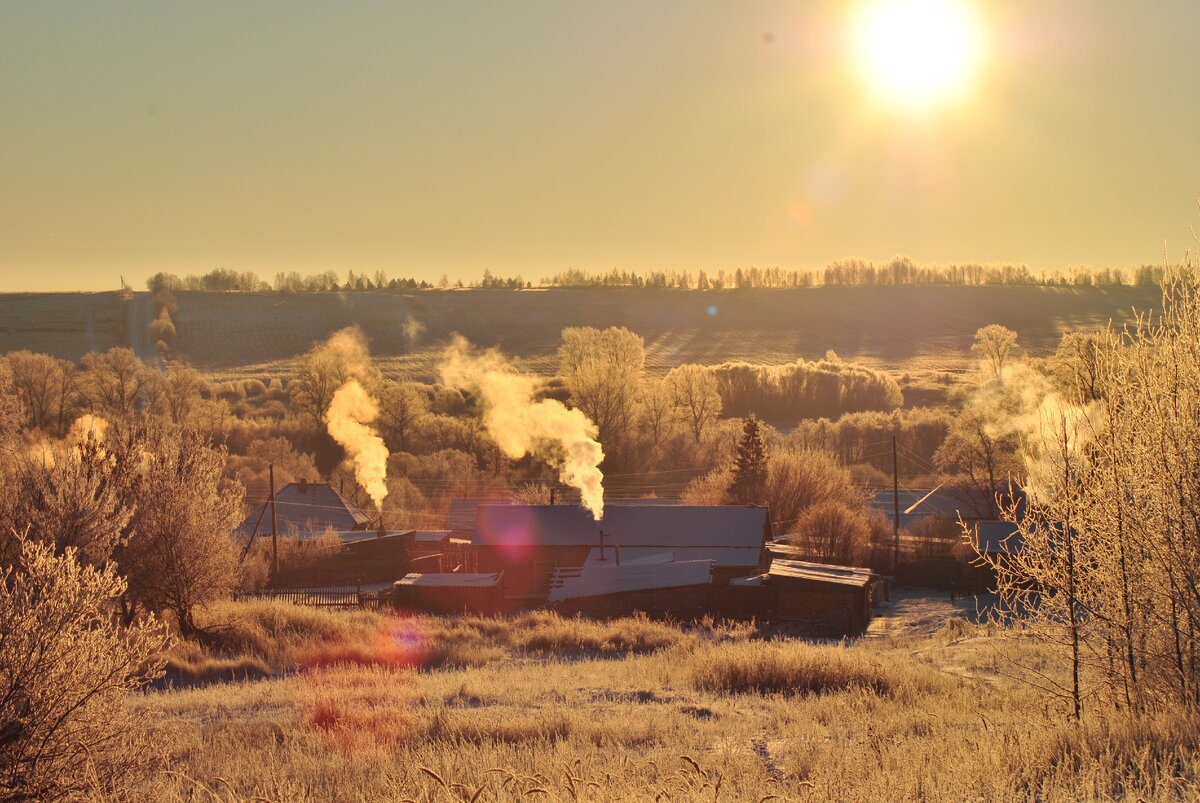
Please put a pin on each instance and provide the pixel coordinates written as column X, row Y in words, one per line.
column 537, row 136
column 898, row 328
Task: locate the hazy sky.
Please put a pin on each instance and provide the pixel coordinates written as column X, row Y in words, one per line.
column 442, row 136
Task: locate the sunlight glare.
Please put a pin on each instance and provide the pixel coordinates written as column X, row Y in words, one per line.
column 918, row 53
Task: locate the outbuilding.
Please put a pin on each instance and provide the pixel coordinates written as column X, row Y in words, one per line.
column 449, row 592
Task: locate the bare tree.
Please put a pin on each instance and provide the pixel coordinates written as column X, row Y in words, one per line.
column 47, row 389
column 115, row 383
column 603, row 371
column 1108, row 568
column 328, row 366
column 402, row 410
column 986, row 454
column 694, row 389
column 994, row 345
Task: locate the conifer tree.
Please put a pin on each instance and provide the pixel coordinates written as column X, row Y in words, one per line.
column 749, row 466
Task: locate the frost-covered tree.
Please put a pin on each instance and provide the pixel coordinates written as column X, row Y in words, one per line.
column 66, row 667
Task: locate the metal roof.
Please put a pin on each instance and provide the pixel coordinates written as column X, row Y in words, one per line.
column 308, row 508
column 665, row 527
column 998, row 537
column 450, row 580
column 597, row 579
column 939, row 503
column 821, row 572
column 431, row 535
column 461, row 516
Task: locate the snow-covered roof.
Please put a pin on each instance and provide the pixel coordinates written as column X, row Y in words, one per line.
column 355, row 536
column 596, row 579
column 308, row 508
column 461, row 516
column 662, row 527
column 820, row 572
column 998, row 537
column 919, row 503
column 436, row 536
column 450, row 580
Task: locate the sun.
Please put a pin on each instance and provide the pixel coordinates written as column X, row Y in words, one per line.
column 918, row 53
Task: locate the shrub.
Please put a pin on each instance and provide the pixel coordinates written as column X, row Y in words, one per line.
column 803, row 389
column 65, row 667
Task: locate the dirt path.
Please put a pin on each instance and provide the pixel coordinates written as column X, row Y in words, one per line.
column 140, row 309
column 922, row 611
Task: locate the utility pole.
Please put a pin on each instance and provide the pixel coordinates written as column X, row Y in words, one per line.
column 274, row 531
column 551, row 494
column 602, row 545
column 895, row 507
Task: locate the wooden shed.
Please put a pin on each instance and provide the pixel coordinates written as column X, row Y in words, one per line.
column 449, row 592
column 828, row 600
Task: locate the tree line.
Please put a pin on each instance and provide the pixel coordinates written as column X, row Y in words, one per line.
column 842, row 273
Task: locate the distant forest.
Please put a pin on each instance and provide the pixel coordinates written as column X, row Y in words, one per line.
column 843, row 273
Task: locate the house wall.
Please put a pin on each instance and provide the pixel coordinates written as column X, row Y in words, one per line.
column 449, row 600
column 828, row 609
column 685, row 602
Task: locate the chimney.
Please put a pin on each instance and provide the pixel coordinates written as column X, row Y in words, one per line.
column 303, row 485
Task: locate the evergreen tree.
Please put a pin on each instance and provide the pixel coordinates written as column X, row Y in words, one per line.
column 749, row 466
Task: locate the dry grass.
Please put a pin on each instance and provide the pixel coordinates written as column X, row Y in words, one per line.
column 252, row 639
column 780, row 668
column 704, row 714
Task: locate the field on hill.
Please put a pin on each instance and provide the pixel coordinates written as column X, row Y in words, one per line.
column 917, row 329
column 923, row 708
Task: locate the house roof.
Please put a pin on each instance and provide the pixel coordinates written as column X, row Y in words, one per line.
column 308, row 508
column 436, row 536
column 461, row 516
column 820, row 572
column 913, row 502
column 595, row 579
column 664, row 527
column 450, row 580
column 998, row 537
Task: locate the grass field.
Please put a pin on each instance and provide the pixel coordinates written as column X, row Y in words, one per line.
column 918, row 329
column 922, row 708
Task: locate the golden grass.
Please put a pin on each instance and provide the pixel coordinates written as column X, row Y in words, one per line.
column 708, row 714
column 780, row 668
column 247, row 639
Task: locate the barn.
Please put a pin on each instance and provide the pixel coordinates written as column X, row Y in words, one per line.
column 530, row 542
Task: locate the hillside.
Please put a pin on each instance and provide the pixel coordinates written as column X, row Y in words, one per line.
column 906, row 328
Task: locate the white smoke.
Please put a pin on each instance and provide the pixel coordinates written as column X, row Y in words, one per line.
column 547, row 429
column 85, row 425
column 1052, row 431
column 348, row 419
column 413, row 329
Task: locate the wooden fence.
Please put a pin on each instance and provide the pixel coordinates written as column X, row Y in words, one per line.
column 318, row 598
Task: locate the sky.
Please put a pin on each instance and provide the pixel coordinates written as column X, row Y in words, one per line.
column 532, row 136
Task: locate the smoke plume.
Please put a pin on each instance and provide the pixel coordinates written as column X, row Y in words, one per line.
column 349, row 347
column 547, row 429
column 1052, row 431
column 85, row 425
column 348, row 419
column 413, row 329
